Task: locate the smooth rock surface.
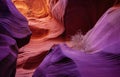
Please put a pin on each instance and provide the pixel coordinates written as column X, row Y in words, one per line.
column 14, row 33
column 81, row 15
column 99, row 55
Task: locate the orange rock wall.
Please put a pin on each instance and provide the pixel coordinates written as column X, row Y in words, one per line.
column 32, row 8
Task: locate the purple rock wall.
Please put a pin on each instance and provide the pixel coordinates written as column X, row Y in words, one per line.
column 14, row 33
column 99, row 55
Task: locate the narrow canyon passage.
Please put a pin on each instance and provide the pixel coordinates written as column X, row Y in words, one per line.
column 31, row 33
column 45, row 31
column 47, row 19
column 40, row 42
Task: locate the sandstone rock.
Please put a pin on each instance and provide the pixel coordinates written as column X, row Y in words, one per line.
column 57, row 9
column 32, row 8
column 38, row 32
column 81, row 15
column 48, row 27
column 22, row 7
column 99, row 55
column 33, row 62
column 14, row 33
column 8, row 56
column 45, row 28
column 32, row 54
column 13, row 23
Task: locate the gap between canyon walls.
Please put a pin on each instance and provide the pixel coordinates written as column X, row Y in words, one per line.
column 45, row 22
column 42, row 18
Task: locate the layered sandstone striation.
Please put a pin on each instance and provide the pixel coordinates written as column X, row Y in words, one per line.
column 32, row 8
column 45, row 30
column 47, row 19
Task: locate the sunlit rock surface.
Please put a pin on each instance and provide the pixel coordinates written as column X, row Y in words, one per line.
column 40, row 43
column 46, row 19
column 39, row 15
column 32, row 8
column 32, row 54
column 44, row 27
column 50, row 27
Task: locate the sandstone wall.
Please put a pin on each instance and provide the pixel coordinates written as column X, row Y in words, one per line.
column 81, row 15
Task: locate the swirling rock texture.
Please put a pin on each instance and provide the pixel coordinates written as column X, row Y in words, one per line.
column 46, row 20
column 14, row 33
column 99, row 55
column 41, row 21
column 30, row 8
column 44, row 26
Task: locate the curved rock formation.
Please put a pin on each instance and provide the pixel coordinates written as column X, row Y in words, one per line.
column 99, row 55
column 81, row 15
column 14, row 33
column 8, row 56
column 36, row 11
column 32, row 8
column 13, row 23
column 73, row 14
column 57, row 9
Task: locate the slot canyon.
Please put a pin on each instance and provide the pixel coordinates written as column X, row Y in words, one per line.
column 50, row 22
column 45, row 33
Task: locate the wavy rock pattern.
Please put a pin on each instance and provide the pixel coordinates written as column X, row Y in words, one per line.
column 14, row 33
column 99, row 56
column 32, row 8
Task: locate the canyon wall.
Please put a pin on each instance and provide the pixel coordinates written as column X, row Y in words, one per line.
column 32, row 8
column 81, row 15
column 74, row 15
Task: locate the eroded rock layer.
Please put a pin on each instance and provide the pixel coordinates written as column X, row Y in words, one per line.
column 32, row 8
column 81, row 15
